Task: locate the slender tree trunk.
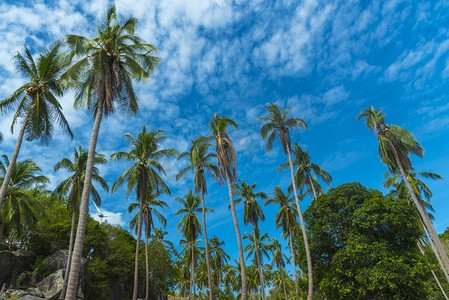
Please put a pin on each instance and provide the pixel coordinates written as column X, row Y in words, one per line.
column 259, row 265
column 433, row 273
column 69, row 256
column 294, row 263
column 136, row 259
column 12, row 162
column 432, row 245
column 424, row 215
column 84, row 209
column 313, row 188
column 206, row 241
column 239, row 240
column 303, row 228
column 192, row 272
column 283, row 282
column 147, row 266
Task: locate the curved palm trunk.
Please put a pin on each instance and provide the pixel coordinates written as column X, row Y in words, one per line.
column 433, row 273
column 136, row 259
column 206, row 241
column 259, row 264
column 432, row 245
column 424, row 215
column 192, row 272
column 69, row 257
column 239, row 240
column 283, row 282
column 294, row 263
column 12, row 162
column 84, row 209
column 303, row 228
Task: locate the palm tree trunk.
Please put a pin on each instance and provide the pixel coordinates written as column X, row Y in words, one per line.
column 424, row 215
column 283, row 283
column 69, row 256
column 12, row 162
column 259, row 265
column 433, row 273
column 303, row 228
column 239, row 240
column 147, row 266
column 136, row 259
column 294, row 263
column 84, row 209
column 432, row 245
column 206, row 241
column 192, row 271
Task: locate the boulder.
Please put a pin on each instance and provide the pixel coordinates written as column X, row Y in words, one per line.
column 27, row 259
column 12, row 294
column 23, row 281
column 34, row 292
column 51, row 286
column 8, row 264
column 30, row 297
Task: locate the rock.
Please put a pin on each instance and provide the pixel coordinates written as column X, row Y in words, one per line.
column 23, row 281
column 34, row 292
column 30, row 297
column 13, row 294
column 8, row 264
column 26, row 258
column 51, row 286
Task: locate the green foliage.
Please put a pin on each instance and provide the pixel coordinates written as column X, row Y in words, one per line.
column 363, row 246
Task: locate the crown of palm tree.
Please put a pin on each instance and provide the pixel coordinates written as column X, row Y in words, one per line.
column 392, row 139
column 35, row 101
column 148, row 209
column 226, row 158
column 108, row 63
column 286, row 216
column 262, row 248
column 279, row 123
column 21, row 207
column 145, row 153
column 200, row 161
column 253, row 212
column 279, row 257
column 72, row 187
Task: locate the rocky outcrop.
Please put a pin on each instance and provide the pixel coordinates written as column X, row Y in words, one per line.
column 8, row 264
column 51, row 286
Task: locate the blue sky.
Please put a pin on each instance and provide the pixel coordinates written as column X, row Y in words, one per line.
column 326, row 59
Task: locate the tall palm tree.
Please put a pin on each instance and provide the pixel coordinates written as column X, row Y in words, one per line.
column 103, row 77
column 35, row 102
column 396, row 144
column 280, row 123
column 304, row 170
column 20, row 208
column 159, row 235
column 286, row 219
column 143, row 175
column 148, row 210
column 190, row 226
column 72, row 188
column 258, row 246
column 219, row 258
column 279, row 260
column 252, row 213
column 226, row 162
column 200, row 162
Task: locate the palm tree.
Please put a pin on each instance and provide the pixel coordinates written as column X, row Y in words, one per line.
column 286, row 219
column 280, row 123
column 20, row 208
column 278, row 260
column 252, row 214
column 1, row 137
column 35, row 102
column 226, row 162
column 258, row 247
column 142, row 176
column 304, row 170
column 219, row 258
column 72, row 187
column 200, row 162
column 190, row 226
column 159, row 234
column 396, row 144
column 147, row 213
column 103, row 77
